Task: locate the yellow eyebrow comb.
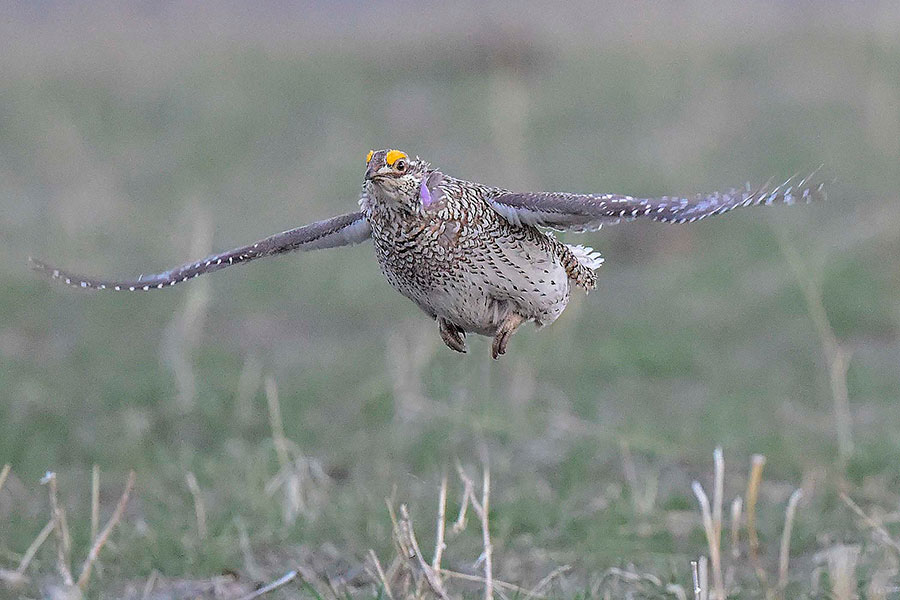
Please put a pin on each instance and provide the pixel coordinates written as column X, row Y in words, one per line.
column 393, row 156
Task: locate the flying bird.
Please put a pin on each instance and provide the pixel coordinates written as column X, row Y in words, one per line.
column 475, row 258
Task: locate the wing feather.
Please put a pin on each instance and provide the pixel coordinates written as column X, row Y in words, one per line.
column 343, row 230
column 588, row 212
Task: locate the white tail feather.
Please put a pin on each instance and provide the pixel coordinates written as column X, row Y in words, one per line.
column 586, row 256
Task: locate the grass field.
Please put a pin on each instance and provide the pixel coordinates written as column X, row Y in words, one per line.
column 134, row 138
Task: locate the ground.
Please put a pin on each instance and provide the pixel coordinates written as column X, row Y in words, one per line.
column 133, row 139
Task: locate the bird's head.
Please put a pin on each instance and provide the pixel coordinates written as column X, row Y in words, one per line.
column 392, row 177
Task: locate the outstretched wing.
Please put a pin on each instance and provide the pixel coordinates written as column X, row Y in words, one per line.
column 342, row 230
column 580, row 212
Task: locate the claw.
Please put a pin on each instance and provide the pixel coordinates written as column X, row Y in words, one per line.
column 504, row 332
column 453, row 336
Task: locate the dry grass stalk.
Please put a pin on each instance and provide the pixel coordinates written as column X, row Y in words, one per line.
column 59, row 524
column 439, row 544
column 244, row 540
column 276, row 423
column 497, row 583
column 676, row 590
column 708, row 527
column 482, row 510
column 399, row 538
column 712, row 529
column 289, row 477
column 35, row 546
column 704, row 578
column 101, row 539
column 882, row 584
column 785, row 549
column 757, row 462
column 405, row 553
column 842, row 571
column 13, row 579
column 381, row 576
column 736, row 507
column 285, row 579
column 837, row 358
column 695, row 576
column 413, row 552
column 64, row 545
column 633, row 577
column 426, row 576
column 4, row 473
column 95, row 501
column 881, row 534
column 718, row 490
column 199, row 505
column 397, row 564
column 543, row 583
column 468, row 493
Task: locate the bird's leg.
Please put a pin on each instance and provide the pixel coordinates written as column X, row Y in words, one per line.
column 504, row 332
column 453, row 336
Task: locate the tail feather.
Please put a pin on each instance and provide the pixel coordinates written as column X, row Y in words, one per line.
column 580, row 263
column 586, row 256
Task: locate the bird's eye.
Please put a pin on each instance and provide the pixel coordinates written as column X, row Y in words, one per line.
column 400, row 165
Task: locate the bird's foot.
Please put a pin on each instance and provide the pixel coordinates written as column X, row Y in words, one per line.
column 504, row 332
column 453, row 336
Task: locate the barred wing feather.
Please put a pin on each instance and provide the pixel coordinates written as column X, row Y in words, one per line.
column 588, row 212
column 343, row 230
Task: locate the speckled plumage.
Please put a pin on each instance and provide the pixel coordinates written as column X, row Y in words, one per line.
column 470, row 256
column 460, row 261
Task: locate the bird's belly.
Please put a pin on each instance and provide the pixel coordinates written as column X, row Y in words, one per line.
column 449, row 291
column 476, row 290
column 527, row 275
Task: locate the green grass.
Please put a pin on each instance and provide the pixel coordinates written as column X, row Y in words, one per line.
column 697, row 336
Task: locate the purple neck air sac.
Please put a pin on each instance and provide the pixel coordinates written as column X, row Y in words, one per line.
column 424, row 194
column 430, row 183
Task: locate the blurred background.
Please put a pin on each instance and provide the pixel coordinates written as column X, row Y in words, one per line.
column 135, row 136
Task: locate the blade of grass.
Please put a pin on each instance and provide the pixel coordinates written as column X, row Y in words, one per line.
column 785, row 548
column 94, row 553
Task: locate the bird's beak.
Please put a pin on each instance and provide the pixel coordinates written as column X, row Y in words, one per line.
column 371, row 171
